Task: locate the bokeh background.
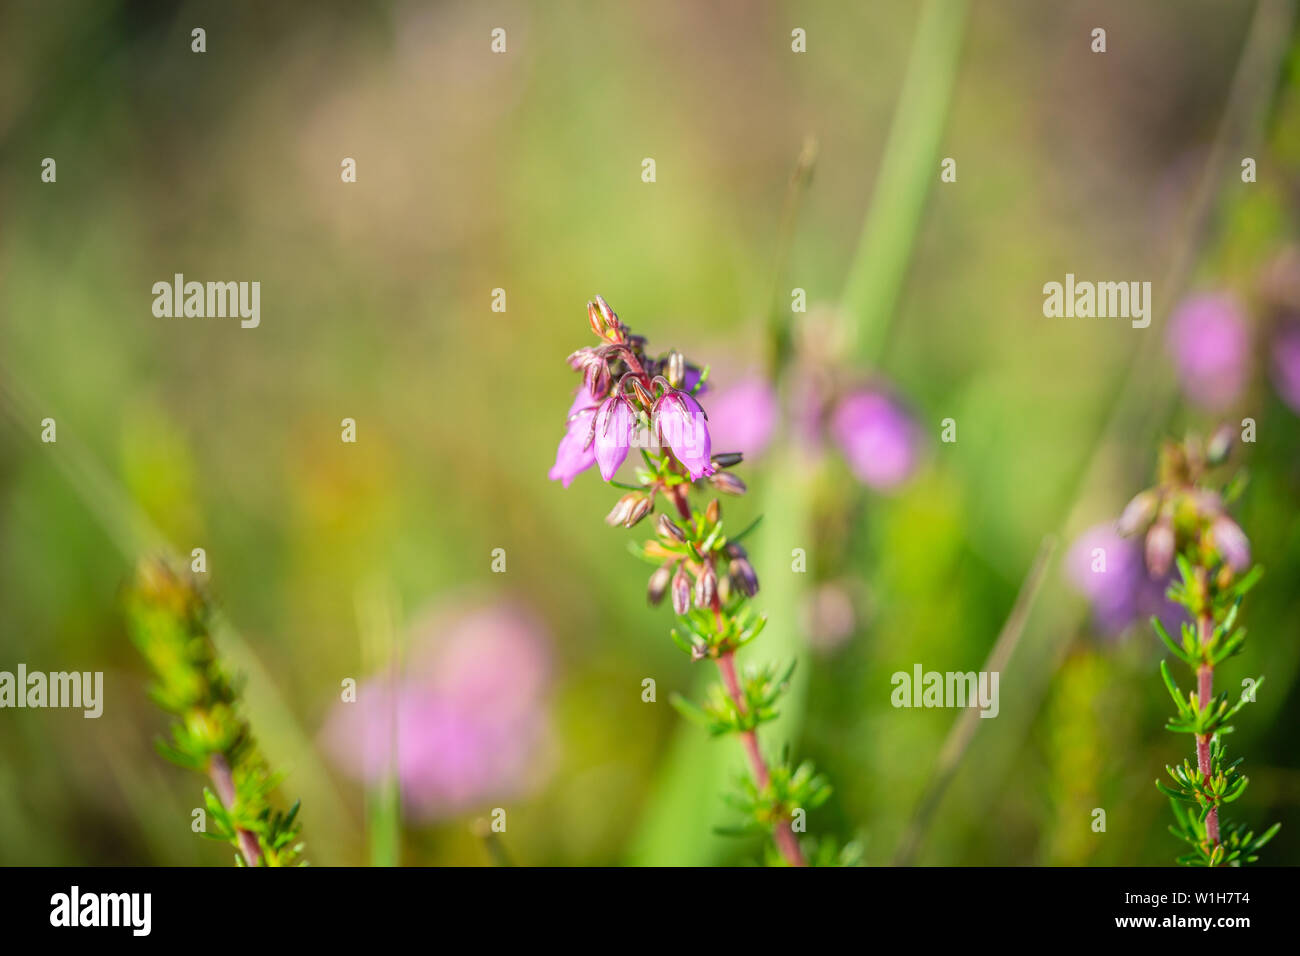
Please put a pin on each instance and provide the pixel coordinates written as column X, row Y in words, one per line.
column 522, row 171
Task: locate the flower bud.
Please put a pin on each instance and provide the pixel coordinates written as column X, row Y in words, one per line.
column 675, row 371
column 668, row 528
column 1139, row 513
column 713, row 512
column 681, row 591
column 1220, row 445
column 1160, row 548
column 622, row 508
column 608, row 315
column 728, row 459
column 706, row 587
column 743, row 576
column 639, row 510
column 1231, row 543
column 658, row 584
column 596, row 320
column 596, row 377
column 727, row 483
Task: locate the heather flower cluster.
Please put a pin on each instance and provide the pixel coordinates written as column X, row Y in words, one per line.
column 628, row 399
column 1184, row 523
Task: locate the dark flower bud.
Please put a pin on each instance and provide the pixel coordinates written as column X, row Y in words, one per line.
column 706, row 587
column 639, row 510
column 596, row 377
column 622, row 508
column 658, row 584
column 1139, row 513
column 1220, row 445
column 713, row 512
column 728, row 459
column 668, row 528
column 727, row 483
column 681, row 591
column 675, row 370
column 645, row 398
column 743, row 576
column 1160, row 548
column 1231, row 543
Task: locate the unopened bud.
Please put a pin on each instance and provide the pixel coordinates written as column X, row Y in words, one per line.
column 596, row 377
column 743, row 576
column 622, row 508
column 713, row 512
column 642, row 396
column 668, row 528
column 706, row 587
column 1220, row 445
column 675, row 371
column 606, row 313
column 639, row 510
column 1160, row 548
column 681, row 592
column 1139, row 513
column 728, row 459
column 727, row 483
column 594, row 317
column 658, row 584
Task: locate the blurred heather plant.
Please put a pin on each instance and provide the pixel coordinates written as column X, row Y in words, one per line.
column 628, row 399
column 168, row 619
column 1185, row 523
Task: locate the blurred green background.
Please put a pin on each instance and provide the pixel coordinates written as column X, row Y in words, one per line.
column 522, row 171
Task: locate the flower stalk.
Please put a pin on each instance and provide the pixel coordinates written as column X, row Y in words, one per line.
column 629, row 398
column 1186, row 523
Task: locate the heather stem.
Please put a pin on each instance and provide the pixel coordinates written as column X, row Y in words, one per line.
column 222, row 779
column 1204, row 694
column 781, row 833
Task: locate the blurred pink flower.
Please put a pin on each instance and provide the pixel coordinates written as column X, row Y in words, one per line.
column 743, row 416
column 878, row 437
column 1110, row 572
column 1286, row 364
column 466, row 720
column 1210, row 344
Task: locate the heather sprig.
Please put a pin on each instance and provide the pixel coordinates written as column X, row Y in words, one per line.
column 1186, row 523
column 168, row 620
column 631, row 399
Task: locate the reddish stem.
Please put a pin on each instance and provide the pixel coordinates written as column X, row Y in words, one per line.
column 224, row 782
column 781, row 833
